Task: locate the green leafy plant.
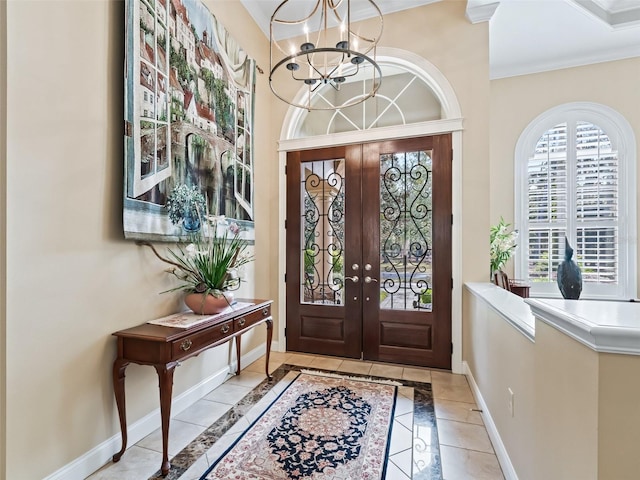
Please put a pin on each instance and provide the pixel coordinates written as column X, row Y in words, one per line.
column 185, row 201
column 425, row 297
column 502, row 244
column 208, row 265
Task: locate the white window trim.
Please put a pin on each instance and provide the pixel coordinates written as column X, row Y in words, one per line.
column 622, row 137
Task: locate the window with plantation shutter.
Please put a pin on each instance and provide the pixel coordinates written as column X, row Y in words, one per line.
column 575, row 179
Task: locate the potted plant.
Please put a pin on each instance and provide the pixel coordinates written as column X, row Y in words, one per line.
column 184, row 204
column 502, row 244
column 208, row 267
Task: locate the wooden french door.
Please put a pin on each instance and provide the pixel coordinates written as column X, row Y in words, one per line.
column 369, row 251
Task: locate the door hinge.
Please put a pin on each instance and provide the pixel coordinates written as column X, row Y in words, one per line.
column 285, row 278
column 128, row 129
column 451, row 346
column 452, row 284
column 285, row 224
column 285, row 169
column 452, row 219
column 285, row 331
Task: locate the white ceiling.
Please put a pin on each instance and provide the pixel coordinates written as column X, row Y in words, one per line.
column 528, row 36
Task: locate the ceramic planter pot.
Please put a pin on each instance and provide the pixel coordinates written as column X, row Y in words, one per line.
column 208, row 304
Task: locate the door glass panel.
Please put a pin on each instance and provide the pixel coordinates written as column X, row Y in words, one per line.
column 322, row 232
column 405, row 231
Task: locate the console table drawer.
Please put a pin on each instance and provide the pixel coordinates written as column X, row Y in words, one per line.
column 251, row 319
column 195, row 342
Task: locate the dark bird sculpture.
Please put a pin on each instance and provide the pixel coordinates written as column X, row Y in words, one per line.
column 569, row 275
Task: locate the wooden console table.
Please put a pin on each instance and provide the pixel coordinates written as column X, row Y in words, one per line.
column 164, row 347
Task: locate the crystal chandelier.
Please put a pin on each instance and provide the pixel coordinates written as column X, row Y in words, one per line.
column 314, row 44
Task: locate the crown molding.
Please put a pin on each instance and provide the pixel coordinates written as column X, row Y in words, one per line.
column 480, row 10
column 575, row 61
column 616, row 19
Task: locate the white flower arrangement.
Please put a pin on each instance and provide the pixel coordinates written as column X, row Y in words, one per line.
column 502, row 244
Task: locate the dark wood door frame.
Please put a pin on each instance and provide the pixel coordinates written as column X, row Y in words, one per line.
column 365, row 336
column 337, row 325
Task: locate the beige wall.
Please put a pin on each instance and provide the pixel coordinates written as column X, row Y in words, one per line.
column 516, row 101
column 566, row 407
column 575, row 410
column 500, row 357
column 71, row 278
column 619, row 419
column 3, row 232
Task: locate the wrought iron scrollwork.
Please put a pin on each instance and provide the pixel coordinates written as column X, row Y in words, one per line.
column 405, row 227
column 323, row 232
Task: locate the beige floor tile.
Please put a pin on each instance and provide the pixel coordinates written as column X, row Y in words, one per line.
column 299, row 359
column 136, row 463
column 278, row 356
column 355, row 366
column 458, row 411
column 403, row 405
column 326, row 363
column 180, row 435
column 457, row 393
column 395, row 473
column 405, row 392
column 402, row 461
column 416, row 375
column 460, row 464
column 258, row 366
column 388, row 371
column 464, row 435
column 406, row 420
column 247, row 378
column 401, row 438
column 203, row 412
column 228, row 393
column 447, row 378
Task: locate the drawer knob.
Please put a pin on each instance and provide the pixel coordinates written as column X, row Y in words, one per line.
column 186, row 345
column 265, row 312
column 225, row 328
column 242, row 321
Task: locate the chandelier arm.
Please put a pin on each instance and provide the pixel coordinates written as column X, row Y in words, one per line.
column 320, row 63
column 294, row 22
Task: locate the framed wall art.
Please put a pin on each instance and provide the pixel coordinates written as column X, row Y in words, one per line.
column 189, row 90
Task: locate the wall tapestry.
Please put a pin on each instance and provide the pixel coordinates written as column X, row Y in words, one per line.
column 189, row 92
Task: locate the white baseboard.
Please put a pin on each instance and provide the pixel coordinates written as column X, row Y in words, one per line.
column 89, row 462
column 501, row 452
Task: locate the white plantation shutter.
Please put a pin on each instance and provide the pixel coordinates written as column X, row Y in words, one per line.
column 574, row 187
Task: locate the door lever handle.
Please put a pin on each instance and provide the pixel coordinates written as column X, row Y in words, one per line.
column 368, row 279
column 354, row 279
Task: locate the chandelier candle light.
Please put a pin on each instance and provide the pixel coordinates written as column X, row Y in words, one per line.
column 319, row 47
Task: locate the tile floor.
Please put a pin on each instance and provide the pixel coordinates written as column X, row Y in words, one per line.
column 466, row 452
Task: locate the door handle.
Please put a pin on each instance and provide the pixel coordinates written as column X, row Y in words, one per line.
column 368, row 279
column 354, row 279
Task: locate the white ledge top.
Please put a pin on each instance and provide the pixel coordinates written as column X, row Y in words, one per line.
column 510, row 306
column 604, row 326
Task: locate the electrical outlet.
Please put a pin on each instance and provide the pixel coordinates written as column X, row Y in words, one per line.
column 511, row 395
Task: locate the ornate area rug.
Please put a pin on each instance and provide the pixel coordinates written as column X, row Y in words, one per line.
column 321, row 427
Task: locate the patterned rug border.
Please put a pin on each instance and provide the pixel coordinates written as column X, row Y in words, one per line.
column 184, row 459
column 324, row 374
column 352, row 377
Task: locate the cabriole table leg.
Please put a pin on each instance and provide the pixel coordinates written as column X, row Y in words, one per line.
column 165, row 378
column 119, row 366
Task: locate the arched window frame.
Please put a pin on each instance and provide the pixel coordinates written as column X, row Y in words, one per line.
column 622, row 138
